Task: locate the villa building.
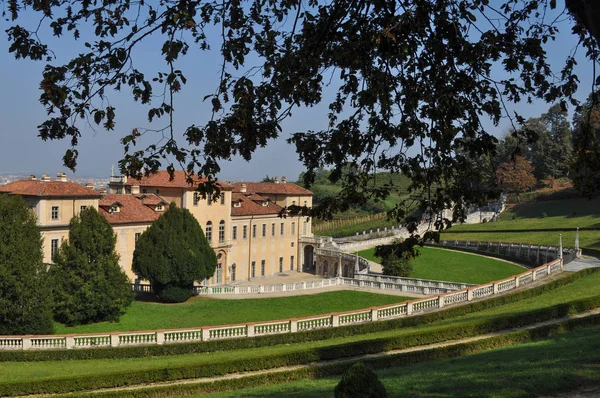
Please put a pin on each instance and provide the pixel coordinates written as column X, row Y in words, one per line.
column 244, row 226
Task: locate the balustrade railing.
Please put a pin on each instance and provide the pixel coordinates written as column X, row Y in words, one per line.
column 206, row 333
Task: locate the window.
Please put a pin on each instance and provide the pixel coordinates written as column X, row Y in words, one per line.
column 264, row 230
column 196, row 198
column 208, row 231
column 119, row 191
column 305, row 202
column 281, row 230
column 291, row 263
column 262, row 267
column 222, row 199
column 55, row 212
column 222, row 231
column 137, row 236
column 305, row 228
column 159, row 208
column 292, row 244
column 82, row 208
column 253, row 269
column 234, row 233
column 293, row 228
column 53, row 249
column 273, row 229
column 245, row 232
column 233, row 272
column 280, row 264
column 254, row 231
column 209, row 200
column 158, row 191
column 144, row 190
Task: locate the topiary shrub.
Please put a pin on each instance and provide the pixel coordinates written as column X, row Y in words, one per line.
column 360, row 382
column 174, row 294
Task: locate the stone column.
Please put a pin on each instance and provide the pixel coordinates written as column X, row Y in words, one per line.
column 560, row 248
column 577, row 240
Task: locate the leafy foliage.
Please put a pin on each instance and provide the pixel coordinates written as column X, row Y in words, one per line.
column 360, row 382
column 411, row 82
column 25, row 295
column 173, row 253
column 88, row 283
column 516, row 175
column 586, row 141
column 396, row 257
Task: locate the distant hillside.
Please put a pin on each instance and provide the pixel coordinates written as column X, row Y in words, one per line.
column 323, row 188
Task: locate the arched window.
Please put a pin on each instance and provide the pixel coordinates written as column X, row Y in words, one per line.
column 222, row 231
column 208, row 231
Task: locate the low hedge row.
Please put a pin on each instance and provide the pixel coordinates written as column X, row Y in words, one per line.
column 388, row 361
column 299, row 357
column 289, row 338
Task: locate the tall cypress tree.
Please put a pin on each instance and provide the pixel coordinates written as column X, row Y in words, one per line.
column 89, row 285
column 25, row 294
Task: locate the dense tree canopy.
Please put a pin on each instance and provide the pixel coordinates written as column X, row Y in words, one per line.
column 586, row 141
column 25, row 293
column 88, row 283
column 412, row 81
column 172, row 254
column 516, row 175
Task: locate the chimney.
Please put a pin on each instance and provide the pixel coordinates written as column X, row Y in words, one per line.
column 243, row 188
column 135, row 189
column 283, row 180
column 102, row 191
column 60, row 176
column 31, row 177
column 90, row 186
column 276, row 180
column 45, row 177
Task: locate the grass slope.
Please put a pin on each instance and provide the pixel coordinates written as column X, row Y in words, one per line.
column 202, row 311
column 450, row 266
column 24, row 371
column 566, row 213
column 563, row 363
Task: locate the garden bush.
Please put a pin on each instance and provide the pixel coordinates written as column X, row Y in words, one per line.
column 360, row 382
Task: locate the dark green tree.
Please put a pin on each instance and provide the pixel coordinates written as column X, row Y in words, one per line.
column 88, row 283
column 407, row 83
column 586, row 141
column 360, row 382
column 172, row 254
column 25, row 294
column 396, row 258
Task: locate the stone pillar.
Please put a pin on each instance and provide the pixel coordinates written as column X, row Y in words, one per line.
column 409, row 308
column 441, row 301
column 469, row 294
column 160, row 337
column 250, row 330
column 114, row 340
column 26, row 343
column 577, row 241
column 374, row 316
column 70, row 342
column 560, row 248
column 293, row 326
column 335, row 320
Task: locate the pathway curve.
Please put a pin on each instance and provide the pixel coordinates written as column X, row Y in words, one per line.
column 330, row 362
column 582, row 263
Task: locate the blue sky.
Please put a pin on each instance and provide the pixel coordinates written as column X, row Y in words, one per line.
column 22, row 151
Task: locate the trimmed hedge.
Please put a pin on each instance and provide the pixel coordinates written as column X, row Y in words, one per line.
column 289, row 338
column 388, row 361
column 301, row 356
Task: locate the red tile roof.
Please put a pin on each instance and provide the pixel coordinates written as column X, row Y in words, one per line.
column 162, row 179
column 48, row 189
column 288, row 188
column 252, row 208
column 133, row 209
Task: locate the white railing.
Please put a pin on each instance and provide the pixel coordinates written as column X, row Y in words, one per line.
column 207, row 333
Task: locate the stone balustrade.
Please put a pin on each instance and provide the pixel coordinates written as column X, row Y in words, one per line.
column 252, row 329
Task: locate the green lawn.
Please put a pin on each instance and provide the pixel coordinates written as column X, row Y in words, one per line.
column 563, row 363
column 20, row 371
column 451, row 266
column 202, row 311
column 567, row 213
